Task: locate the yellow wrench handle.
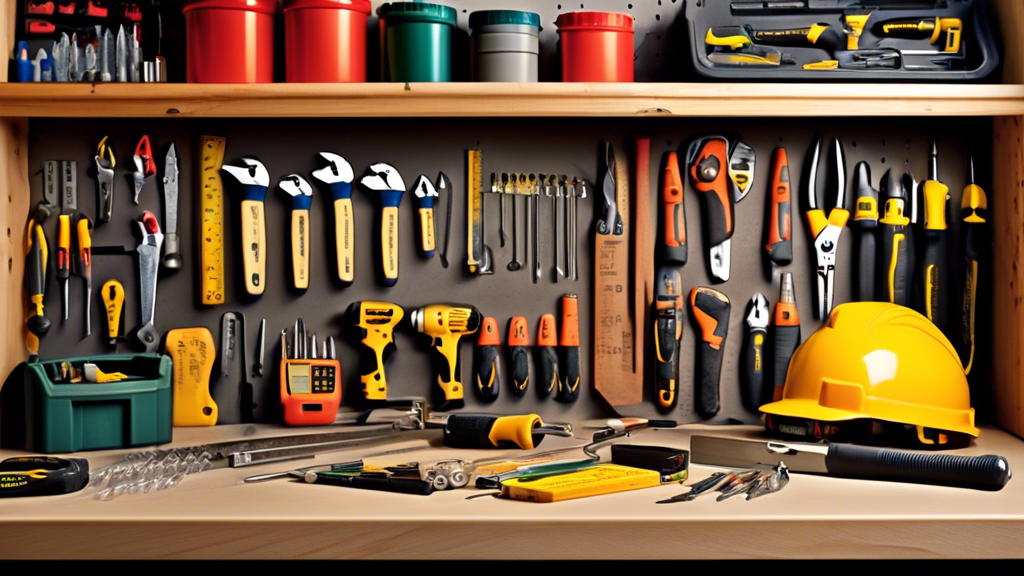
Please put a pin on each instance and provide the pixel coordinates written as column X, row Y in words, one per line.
column 427, row 241
column 300, row 249
column 254, row 241
column 344, row 231
column 389, row 245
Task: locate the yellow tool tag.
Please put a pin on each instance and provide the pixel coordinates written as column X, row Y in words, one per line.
column 474, row 184
column 211, row 216
column 113, row 302
column 192, row 353
column 605, row 479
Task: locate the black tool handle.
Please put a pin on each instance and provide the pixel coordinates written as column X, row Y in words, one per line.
column 866, row 258
column 489, row 431
column 752, row 369
column 486, row 378
column 710, row 362
column 933, row 277
column 673, row 249
column 719, row 215
column 518, row 369
column 894, row 265
column 569, row 364
column 979, row 472
column 397, row 485
column 785, row 340
column 42, row 476
column 710, row 311
column 666, row 356
column 547, row 370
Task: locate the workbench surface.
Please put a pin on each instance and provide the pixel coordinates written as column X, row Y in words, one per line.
column 215, row 515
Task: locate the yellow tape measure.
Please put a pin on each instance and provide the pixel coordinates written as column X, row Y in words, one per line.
column 474, row 183
column 211, row 214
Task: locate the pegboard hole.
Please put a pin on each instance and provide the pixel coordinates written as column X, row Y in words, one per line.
column 883, row 160
column 10, row 264
column 8, row 232
column 883, row 141
column 854, row 143
column 657, row 17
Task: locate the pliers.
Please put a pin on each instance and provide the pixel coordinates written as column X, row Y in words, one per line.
column 827, row 230
column 145, row 167
column 105, row 163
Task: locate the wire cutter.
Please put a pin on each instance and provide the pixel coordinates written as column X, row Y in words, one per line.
column 827, row 230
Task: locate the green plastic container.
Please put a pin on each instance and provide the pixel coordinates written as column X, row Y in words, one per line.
column 65, row 417
column 418, row 41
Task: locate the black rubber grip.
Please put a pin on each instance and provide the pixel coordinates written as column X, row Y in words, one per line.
column 710, row 362
column 752, row 369
column 785, row 340
column 781, row 252
column 678, row 254
column 865, row 278
column 486, row 376
column 547, row 370
column 979, row 472
column 518, row 370
column 716, row 229
column 936, row 252
column 894, row 281
column 473, row 431
column 569, row 365
column 397, row 485
column 442, row 369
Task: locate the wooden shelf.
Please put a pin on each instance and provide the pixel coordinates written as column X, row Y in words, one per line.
column 494, row 100
column 214, row 515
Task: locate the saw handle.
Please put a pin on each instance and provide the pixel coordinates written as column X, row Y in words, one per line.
column 987, row 472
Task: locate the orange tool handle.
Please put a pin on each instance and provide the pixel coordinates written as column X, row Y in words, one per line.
column 779, row 244
column 672, row 248
column 569, row 350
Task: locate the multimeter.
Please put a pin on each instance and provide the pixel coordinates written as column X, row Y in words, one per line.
column 310, row 386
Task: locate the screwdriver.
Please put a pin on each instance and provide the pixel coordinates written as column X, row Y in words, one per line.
column 64, row 259
column 932, row 272
column 485, row 361
column 113, row 302
column 931, row 28
column 83, row 263
column 895, row 248
column 710, row 310
column 518, row 357
column 785, row 335
column 569, row 350
column 672, row 249
column 865, row 222
column 973, row 211
column 547, row 356
column 35, row 266
column 778, row 242
column 668, row 332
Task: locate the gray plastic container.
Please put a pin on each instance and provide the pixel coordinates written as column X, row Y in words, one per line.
column 505, row 45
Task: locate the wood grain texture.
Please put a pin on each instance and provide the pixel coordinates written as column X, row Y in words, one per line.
column 1007, row 217
column 14, row 212
column 215, row 515
column 1010, row 16
column 505, row 100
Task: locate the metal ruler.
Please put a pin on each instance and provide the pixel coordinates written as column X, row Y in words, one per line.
column 211, row 215
column 474, row 188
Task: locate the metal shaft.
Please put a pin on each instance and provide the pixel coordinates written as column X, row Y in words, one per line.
column 535, row 199
column 515, row 264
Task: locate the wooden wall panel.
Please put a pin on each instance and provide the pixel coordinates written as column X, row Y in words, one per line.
column 14, row 208
column 1010, row 14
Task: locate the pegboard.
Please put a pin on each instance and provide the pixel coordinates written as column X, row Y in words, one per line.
column 426, row 146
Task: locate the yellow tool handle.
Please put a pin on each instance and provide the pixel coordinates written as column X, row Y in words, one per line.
column 427, row 243
column 936, row 197
column 344, row 231
column 446, row 365
column 300, row 249
column 113, row 302
column 855, row 29
column 823, row 65
column 254, row 240
column 192, row 354
column 389, row 244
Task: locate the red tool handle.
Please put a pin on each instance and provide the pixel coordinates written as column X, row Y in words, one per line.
column 779, row 242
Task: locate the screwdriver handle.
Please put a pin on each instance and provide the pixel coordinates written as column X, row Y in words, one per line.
column 300, row 248
column 752, row 370
column 112, row 293
column 894, row 254
column 381, row 484
column 547, row 356
column 710, row 311
column 486, row 377
column 987, row 472
column 489, row 431
column 785, row 341
column 254, row 242
column 64, row 246
column 344, row 230
column 974, row 211
column 866, row 259
column 569, row 351
column 672, row 249
column 35, row 266
column 779, row 244
column 666, row 350
column 518, row 356
column 933, row 277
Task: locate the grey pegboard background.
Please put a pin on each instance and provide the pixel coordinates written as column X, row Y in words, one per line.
column 416, row 146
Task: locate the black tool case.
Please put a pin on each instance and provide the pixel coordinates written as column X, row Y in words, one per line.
column 978, row 56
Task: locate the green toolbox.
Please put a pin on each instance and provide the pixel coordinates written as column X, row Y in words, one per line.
column 96, row 403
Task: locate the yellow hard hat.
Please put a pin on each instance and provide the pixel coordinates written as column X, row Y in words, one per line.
column 881, row 363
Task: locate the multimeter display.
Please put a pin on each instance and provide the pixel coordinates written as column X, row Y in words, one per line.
column 298, row 378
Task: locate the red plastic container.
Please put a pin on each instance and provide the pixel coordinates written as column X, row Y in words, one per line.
column 230, row 41
column 325, row 40
column 596, row 46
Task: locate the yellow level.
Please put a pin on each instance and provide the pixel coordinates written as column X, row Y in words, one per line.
column 474, row 184
column 211, row 214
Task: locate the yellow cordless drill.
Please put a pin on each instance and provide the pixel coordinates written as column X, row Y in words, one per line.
column 446, row 324
column 374, row 323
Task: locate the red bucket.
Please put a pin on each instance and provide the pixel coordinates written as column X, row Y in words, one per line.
column 596, row 46
column 325, row 40
column 230, row 41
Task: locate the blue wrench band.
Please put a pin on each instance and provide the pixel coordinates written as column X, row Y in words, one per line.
column 390, row 198
column 301, row 202
column 254, row 192
column 341, row 190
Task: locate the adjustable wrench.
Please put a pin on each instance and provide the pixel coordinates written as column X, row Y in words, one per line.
column 105, row 163
column 254, row 180
column 302, row 198
column 337, row 175
column 149, row 262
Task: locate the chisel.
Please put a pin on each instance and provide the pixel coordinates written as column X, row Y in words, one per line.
column 569, row 351
column 785, row 337
column 932, row 272
column 710, row 309
column 672, row 247
column 895, row 248
column 668, row 333
column 485, row 361
column 865, row 223
column 778, row 230
column 974, row 213
column 517, row 355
